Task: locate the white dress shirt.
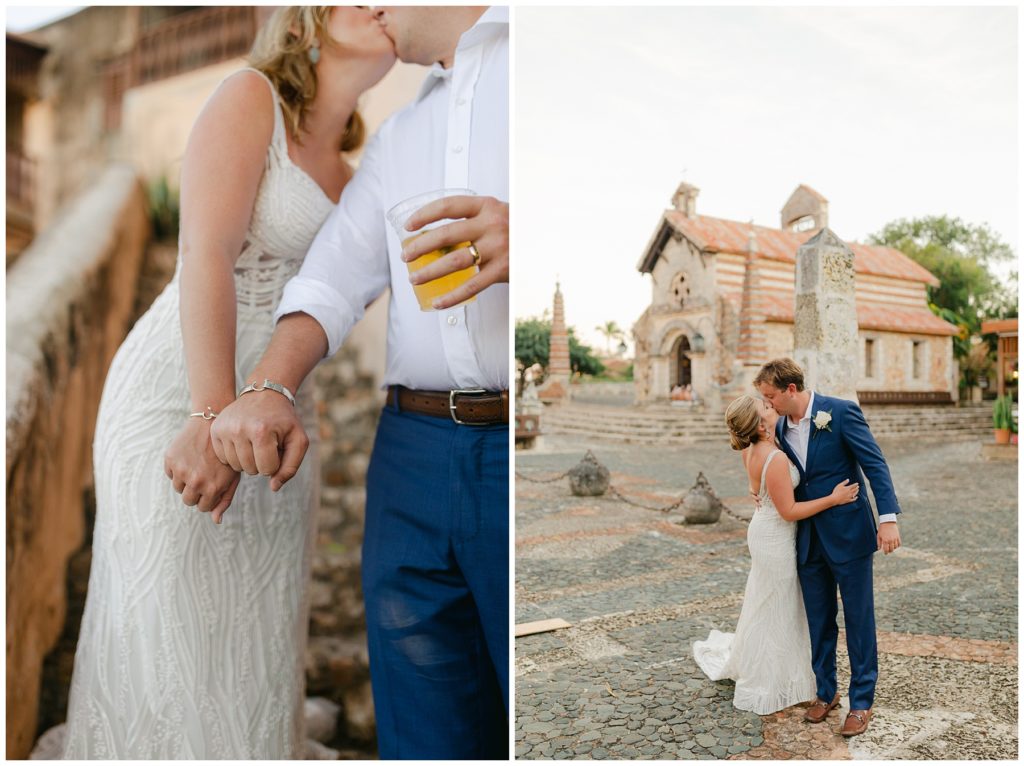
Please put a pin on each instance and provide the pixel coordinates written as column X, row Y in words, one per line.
column 798, row 435
column 454, row 135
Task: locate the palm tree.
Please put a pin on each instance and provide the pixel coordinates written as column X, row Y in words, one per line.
column 611, row 331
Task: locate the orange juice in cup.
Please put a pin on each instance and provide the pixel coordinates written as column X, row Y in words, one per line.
column 427, row 292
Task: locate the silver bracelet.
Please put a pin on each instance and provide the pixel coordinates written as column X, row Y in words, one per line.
column 207, row 414
column 269, row 384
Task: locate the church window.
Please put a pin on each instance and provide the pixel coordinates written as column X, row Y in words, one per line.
column 869, row 358
column 805, row 223
column 917, row 359
column 680, row 290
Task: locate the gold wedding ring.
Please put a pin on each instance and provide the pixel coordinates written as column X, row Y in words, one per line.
column 475, row 253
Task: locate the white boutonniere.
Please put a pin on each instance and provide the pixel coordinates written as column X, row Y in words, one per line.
column 822, row 420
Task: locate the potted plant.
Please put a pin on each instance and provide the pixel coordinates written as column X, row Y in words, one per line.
column 1002, row 418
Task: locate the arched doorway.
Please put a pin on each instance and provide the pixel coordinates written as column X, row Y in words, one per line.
column 684, row 370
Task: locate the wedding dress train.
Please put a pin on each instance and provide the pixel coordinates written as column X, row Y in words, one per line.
column 769, row 656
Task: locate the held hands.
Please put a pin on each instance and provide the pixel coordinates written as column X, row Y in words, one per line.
column 845, row 492
column 485, row 224
column 197, row 474
column 260, row 433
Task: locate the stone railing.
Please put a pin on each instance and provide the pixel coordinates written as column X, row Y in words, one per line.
column 69, row 301
column 905, row 397
column 191, row 41
column 20, row 179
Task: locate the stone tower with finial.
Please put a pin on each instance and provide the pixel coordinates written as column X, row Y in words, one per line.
column 556, row 385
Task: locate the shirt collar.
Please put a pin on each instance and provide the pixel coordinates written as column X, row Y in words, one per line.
column 807, row 415
column 494, row 21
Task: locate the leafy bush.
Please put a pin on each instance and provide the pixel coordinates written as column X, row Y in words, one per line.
column 164, row 210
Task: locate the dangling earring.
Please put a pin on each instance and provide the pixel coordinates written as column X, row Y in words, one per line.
column 314, row 52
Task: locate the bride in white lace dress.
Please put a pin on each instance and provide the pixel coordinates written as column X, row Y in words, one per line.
column 769, row 656
column 193, row 638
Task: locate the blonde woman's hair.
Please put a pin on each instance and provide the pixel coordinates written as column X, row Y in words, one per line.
column 281, row 52
column 743, row 417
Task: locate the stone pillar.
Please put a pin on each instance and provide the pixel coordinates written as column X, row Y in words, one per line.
column 556, row 384
column 753, row 346
column 825, row 325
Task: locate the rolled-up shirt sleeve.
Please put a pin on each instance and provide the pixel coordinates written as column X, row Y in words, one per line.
column 347, row 266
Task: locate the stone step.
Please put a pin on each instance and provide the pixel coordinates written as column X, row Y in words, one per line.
column 663, row 424
column 670, row 441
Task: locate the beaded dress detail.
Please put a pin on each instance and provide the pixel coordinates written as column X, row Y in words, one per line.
column 193, row 639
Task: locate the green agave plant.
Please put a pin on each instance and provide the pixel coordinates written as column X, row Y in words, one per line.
column 1002, row 412
column 164, row 209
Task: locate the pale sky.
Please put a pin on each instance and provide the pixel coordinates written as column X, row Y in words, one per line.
column 888, row 112
column 22, row 18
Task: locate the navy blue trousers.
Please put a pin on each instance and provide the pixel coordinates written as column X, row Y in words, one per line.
column 819, row 578
column 435, row 581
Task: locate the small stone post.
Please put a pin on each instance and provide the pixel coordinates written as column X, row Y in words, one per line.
column 825, row 325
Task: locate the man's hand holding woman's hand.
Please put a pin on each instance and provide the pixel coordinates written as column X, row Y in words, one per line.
column 484, row 223
column 260, row 433
column 196, row 472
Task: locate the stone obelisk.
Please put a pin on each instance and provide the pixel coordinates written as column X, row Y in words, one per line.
column 556, row 384
column 825, row 324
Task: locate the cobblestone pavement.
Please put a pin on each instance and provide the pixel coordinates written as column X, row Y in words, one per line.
column 638, row 588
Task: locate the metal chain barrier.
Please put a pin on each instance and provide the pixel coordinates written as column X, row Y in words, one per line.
column 524, row 477
column 614, row 492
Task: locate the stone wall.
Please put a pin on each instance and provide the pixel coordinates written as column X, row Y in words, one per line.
column 337, row 665
column 69, row 304
column 894, row 364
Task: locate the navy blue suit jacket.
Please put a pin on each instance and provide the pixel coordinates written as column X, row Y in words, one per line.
column 847, row 450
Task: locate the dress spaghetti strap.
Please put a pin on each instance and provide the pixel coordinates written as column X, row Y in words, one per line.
column 764, row 469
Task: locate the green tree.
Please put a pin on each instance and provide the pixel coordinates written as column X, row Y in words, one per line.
column 533, row 341
column 611, row 331
column 961, row 256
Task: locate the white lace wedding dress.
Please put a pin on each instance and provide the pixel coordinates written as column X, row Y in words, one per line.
column 193, row 638
column 769, row 656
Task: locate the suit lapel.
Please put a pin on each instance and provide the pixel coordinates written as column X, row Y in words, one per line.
column 813, row 436
column 780, row 438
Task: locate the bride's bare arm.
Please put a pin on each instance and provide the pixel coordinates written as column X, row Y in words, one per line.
column 220, row 176
column 780, row 488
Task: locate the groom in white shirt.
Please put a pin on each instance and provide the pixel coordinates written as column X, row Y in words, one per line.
column 435, row 551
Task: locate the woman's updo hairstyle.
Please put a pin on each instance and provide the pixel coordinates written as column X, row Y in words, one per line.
column 743, row 418
column 281, row 52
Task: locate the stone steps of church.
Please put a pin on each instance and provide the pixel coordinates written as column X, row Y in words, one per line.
column 670, row 425
column 677, row 439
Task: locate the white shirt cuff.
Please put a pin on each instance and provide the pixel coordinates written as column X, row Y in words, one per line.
column 884, row 517
column 322, row 302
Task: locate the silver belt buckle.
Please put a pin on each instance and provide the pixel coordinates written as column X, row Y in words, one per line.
column 451, row 403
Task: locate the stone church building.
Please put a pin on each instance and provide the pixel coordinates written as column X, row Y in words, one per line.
column 722, row 303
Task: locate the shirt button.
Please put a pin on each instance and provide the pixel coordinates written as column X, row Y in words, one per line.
column 460, row 102
column 457, row 149
column 453, row 320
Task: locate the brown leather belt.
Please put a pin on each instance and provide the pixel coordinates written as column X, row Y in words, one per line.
column 474, row 406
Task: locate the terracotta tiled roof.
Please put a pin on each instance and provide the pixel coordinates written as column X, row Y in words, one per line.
column 870, row 316
column 999, row 326
column 723, row 236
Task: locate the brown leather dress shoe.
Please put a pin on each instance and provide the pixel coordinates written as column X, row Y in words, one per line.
column 856, row 723
column 819, row 710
